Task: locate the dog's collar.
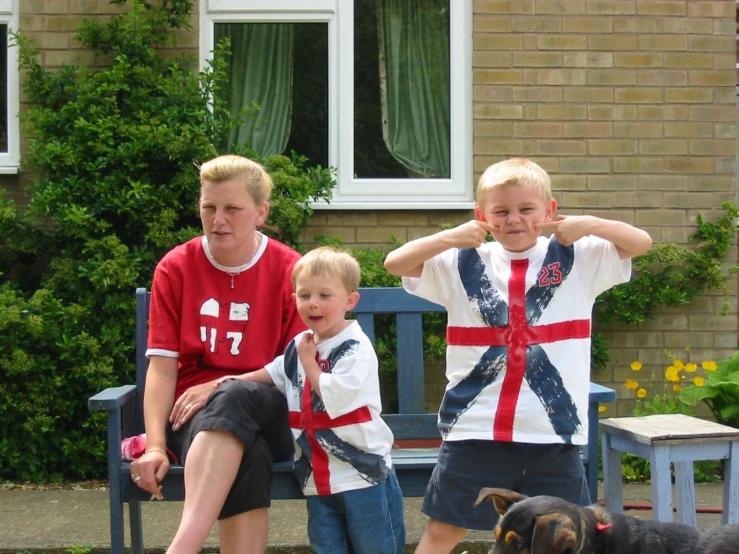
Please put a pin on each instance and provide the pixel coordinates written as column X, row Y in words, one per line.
column 602, row 526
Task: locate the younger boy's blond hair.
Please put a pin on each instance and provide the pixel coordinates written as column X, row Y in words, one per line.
column 328, row 260
column 516, row 171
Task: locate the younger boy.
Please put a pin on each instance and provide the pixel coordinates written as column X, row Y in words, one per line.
column 330, row 377
column 518, row 357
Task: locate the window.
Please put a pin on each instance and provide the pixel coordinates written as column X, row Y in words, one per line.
column 379, row 89
column 9, row 125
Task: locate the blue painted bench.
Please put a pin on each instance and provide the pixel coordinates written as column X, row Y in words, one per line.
column 413, row 465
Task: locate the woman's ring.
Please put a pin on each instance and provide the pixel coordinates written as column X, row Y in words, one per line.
column 137, row 478
column 188, row 406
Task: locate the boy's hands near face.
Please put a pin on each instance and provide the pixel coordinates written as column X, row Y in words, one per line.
column 629, row 241
column 307, row 348
column 472, row 234
column 568, row 228
column 307, row 353
column 408, row 260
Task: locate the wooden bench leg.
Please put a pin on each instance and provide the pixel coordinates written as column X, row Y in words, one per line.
column 137, row 529
column 117, row 545
column 731, row 486
column 613, row 494
column 591, row 452
column 659, row 460
column 685, row 493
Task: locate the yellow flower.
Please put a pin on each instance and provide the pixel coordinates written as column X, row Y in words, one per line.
column 690, row 368
column 677, row 388
column 709, row 365
column 641, row 393
column 602, row 408
column 631, row 384
column 636, row 366
column 698, row 381
column 678, row 364
column 671, row 374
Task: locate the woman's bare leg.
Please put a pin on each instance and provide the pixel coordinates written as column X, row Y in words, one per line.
column 212, row 463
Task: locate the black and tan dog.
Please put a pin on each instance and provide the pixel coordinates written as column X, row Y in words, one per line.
column 549, row 525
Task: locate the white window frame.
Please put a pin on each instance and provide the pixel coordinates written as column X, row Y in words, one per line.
column 366, row 193
column 10, row 160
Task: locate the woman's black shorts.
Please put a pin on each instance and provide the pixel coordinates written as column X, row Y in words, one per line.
column 256, row 415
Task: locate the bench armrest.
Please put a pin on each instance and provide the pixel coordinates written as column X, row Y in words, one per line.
column 599, row 393
column 112, row 398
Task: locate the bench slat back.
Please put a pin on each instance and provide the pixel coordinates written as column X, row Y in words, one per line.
column 409, row 311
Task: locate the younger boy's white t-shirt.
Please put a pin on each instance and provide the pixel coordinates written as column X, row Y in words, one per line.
column 342, row 443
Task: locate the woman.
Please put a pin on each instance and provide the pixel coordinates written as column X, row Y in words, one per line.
column 221, row 304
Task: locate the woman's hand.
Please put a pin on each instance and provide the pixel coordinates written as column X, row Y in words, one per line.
column 221, row 380
column 189, row 403
column 149, row 470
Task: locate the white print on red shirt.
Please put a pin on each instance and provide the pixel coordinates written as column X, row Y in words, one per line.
column 216, row 328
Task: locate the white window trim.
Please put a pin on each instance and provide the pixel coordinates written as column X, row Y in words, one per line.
column 351, row 193
column 10, row 160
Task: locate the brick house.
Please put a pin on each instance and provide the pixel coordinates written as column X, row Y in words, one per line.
column 629, row 104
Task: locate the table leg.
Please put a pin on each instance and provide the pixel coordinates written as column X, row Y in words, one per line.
column 685, row 493
column 661, row 483
column 613, row 494
column 731, row 486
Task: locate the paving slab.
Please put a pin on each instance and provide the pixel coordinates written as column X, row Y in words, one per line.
column 53, row 521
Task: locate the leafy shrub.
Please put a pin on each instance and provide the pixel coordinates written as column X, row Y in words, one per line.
column 114, row 150
column 669, row 275
column 719, row 390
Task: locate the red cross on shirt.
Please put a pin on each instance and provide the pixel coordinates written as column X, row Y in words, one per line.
column 310, row 421
column 517, row 335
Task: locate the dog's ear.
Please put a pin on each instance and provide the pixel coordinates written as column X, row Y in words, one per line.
column 553, row 533
column 503, row 498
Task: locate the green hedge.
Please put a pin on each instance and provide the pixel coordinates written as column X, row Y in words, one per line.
column 114, row 150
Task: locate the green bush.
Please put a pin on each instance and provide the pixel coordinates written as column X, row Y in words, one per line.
column 719, row 390
column 669, row 275
column 114, row 149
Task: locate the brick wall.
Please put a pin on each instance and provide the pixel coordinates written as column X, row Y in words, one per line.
column 629, row 104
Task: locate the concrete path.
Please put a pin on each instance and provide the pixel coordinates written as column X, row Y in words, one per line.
column 37, row 521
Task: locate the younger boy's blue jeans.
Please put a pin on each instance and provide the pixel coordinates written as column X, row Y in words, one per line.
column 363, row 521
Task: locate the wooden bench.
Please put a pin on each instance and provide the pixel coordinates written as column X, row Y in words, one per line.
column 413, row 465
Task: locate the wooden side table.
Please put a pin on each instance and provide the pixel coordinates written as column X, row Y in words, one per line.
column 665, row 439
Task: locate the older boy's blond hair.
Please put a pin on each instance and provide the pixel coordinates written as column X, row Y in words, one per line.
column 327, row 260
column 224, row 168
column 516, row 171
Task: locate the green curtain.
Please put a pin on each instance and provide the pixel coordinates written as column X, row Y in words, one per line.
column 260, row 71
column 415, row 83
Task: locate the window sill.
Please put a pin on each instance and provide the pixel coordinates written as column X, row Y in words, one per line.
column 394, row 205
column 9, row 169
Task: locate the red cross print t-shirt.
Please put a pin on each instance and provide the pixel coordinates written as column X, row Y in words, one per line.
column 518, row 336
column 342, row 443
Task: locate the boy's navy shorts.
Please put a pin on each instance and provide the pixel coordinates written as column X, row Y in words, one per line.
column 465, row 467
column 255, row 414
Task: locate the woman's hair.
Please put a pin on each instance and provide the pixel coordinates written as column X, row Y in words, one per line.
column 327, row 260
column 515, row 171
column 224, row 168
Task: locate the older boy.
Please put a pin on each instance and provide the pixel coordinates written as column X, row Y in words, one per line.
column 330, row 377
column 518, row 357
